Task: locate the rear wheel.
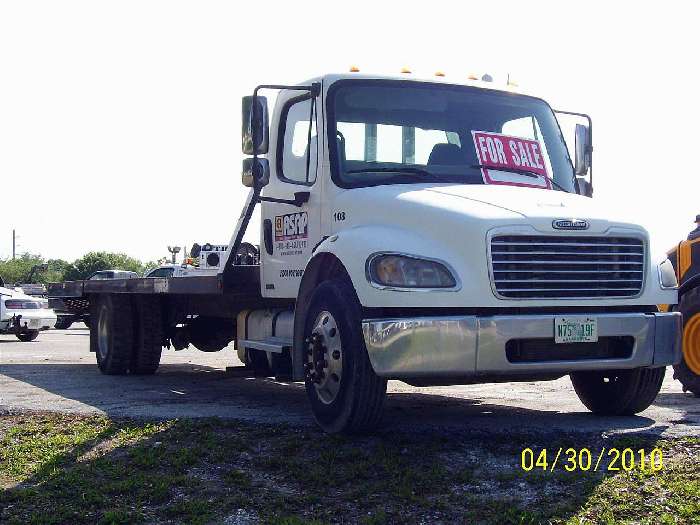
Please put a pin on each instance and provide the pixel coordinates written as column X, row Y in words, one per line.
column 258, row 363
column 28, row 336
column 688, row 370
column 148, row 343
column 345, row 393
column 112, row 334
column 63, row 323
column 618, row 392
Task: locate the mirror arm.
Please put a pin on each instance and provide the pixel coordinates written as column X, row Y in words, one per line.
column 300, row 198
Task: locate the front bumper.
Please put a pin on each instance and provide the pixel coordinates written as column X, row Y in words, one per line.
column 463, row 346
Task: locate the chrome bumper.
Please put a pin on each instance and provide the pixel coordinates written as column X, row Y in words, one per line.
column 472, row 345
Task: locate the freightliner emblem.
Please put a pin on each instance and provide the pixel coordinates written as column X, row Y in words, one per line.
column 570, row 224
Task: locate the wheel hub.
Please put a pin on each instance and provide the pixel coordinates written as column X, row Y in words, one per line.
column 324, row 357
column 691, row 343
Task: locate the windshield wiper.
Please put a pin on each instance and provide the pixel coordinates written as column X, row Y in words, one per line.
column 522, row 171
column 406, row 169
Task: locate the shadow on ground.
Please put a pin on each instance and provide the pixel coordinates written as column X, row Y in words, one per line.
column 190, row 390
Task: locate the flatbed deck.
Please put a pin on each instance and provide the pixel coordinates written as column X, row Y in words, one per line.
column 242, row 281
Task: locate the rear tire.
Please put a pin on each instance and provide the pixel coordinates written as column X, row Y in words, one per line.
column 112, row 336
column 257, row 362
column 28, row 336
column 618, row 392
column 63, row 323
column 345, row 393
column 688, row 370
column 148, row 343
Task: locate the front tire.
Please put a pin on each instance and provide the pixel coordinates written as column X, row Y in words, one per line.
column 112, row 333
column 688, row 370
column 618, row 392
column 28, row 336
column 345, row 393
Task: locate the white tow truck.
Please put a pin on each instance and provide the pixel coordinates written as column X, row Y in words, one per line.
column 420, row 230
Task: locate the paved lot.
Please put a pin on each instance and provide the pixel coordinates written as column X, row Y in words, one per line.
column 57, row 372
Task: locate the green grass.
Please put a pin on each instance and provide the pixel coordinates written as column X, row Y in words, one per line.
column 57, row 469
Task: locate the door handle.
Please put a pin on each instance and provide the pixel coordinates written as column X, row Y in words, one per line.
column 267, row 235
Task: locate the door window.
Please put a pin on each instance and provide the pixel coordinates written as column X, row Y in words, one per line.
column 299, row 142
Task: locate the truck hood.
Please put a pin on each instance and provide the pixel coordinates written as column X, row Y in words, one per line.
column 539, row 206
column 420, row 207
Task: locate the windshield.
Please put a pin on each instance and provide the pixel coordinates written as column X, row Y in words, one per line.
column 394, row 132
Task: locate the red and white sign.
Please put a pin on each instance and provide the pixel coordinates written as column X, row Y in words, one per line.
column 495, row 150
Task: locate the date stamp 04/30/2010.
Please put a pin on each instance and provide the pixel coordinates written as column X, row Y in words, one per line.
column 584, row 460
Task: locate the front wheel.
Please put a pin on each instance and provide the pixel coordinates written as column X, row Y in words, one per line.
column 27, row 336
column 345, row 393
column 618, row 392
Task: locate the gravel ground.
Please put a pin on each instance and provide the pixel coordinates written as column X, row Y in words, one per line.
column 58, row 373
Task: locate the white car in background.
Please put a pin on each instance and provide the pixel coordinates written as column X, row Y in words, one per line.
column 23, row 315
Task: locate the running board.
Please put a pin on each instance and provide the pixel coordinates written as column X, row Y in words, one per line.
column 275, row 345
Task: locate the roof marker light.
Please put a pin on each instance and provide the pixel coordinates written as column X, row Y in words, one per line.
column 439, row 73
column 472, row 76
column 405, row 70
column 354, row 69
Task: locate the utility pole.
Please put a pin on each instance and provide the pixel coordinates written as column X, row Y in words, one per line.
column 13, row 244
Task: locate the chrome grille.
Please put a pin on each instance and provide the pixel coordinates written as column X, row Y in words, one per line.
column 541, row 266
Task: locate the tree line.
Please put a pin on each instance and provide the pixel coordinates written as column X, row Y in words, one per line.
column 57, row 270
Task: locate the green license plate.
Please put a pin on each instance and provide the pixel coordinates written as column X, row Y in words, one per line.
column 575, row 330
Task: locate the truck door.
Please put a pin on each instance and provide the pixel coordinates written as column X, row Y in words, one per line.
column 290, row 232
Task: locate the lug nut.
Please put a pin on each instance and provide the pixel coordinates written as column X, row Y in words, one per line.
column 336, row 354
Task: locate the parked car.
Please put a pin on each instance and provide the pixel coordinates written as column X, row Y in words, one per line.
column 171, row 270
column 112, row 274
column 23, row 315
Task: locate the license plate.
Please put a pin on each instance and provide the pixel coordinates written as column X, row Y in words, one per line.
column 575, row 330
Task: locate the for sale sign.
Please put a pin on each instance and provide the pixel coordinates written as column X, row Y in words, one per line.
column 514, row 156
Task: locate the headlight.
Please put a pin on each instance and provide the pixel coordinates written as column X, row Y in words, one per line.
column 403, row 271
column 667, row 275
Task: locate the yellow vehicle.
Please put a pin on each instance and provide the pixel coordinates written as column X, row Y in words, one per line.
column 686, row 261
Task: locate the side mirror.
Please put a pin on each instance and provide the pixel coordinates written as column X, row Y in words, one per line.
column 583, row 149
column 256, row 172
column 255, row 126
